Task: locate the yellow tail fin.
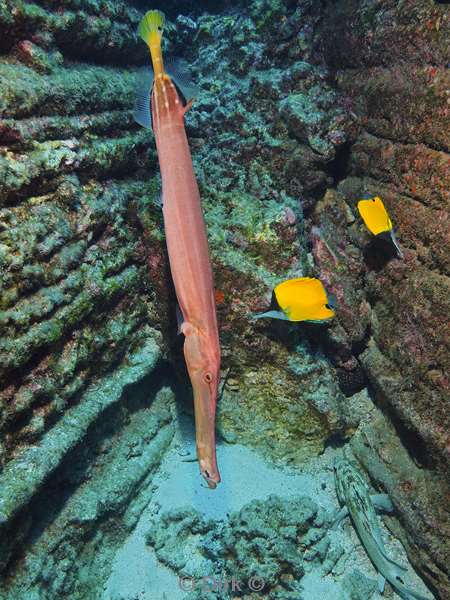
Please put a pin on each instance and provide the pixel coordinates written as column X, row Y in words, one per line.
column 151, row 26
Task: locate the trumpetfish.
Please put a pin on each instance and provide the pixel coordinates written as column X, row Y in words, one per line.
column 161, row 105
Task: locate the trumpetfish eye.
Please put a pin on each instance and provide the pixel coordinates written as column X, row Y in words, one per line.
column 208, row 377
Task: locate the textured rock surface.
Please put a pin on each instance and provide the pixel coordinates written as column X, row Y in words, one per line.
column 78, row 444
column 391, row 63
column 272, row 541
column 259, row 167
column 85, row 289
column 418, row 494
column 93, row 499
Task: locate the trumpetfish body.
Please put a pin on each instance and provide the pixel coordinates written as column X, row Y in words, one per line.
column 187, row 243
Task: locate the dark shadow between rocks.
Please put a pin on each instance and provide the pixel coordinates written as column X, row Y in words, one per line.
column 338, row 168
column 173, row 8
column 415, row 446
column 378, row 252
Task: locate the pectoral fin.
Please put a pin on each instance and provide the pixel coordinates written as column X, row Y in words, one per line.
column 178, row 69
column 188, row 106
column 180, row 319
column 271, row 314
column 381, row 583
column 342, row 513
column 382, row 503
column 397, row 567
column 142, row 113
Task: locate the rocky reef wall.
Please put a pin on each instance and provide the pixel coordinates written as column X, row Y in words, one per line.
column 83, row 424
column 391, row 61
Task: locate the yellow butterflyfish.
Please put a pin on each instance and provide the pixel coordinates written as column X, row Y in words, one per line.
column 377, row 220
column 300, row 299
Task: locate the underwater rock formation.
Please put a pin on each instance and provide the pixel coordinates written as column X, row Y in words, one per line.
column 391, row 63
column 85, row 286
column 273, row 541
column 78, row 328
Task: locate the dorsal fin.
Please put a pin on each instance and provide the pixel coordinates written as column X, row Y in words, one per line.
column 178, row 69
column 142, row 112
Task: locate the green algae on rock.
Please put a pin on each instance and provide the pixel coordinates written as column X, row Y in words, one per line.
column 75, row 309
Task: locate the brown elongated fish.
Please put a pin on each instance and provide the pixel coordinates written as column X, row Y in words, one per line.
column 163, row 107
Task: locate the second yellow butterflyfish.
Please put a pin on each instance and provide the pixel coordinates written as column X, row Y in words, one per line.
column 300, row 299
column 377, row 220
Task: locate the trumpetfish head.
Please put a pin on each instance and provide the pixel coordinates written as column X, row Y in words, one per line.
column 202, row 356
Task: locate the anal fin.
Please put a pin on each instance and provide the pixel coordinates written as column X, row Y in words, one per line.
column 396, row 244
column 381, row 583
column 180, row 319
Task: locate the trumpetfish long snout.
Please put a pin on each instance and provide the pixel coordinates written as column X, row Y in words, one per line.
column 161, row 106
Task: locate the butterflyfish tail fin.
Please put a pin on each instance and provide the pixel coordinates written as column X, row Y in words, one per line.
column 152, row 22
column 396, row 244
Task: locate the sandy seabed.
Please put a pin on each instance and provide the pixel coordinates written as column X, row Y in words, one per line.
column 137, row 573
